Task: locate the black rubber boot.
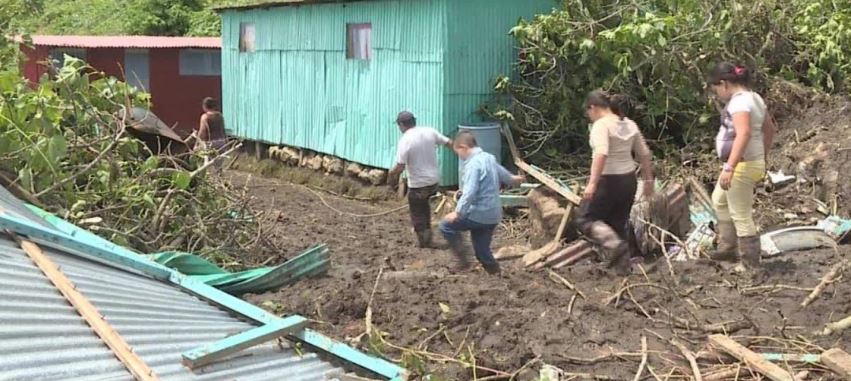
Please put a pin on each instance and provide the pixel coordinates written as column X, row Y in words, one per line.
column 749, row 249
column 424, row 239
column 727, row 249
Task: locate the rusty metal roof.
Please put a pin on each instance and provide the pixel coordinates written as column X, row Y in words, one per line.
column 139, row 42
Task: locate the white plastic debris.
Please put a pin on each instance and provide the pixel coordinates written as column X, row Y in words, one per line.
column 780, row 178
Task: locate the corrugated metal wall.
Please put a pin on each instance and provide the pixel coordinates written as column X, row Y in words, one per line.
column 299, row 89
column 479, row 50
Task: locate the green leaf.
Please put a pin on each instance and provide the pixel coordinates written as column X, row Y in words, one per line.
column 150, row 164
column 181, row 180
column 25, row 176
column 57, row 147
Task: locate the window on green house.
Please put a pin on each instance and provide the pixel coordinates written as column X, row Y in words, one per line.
column 359, row 41
column 246, row 37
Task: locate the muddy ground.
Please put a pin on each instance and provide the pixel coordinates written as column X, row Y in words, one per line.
column 525, row 318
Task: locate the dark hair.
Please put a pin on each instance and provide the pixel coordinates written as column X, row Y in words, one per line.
column 466, row 138
column 732, row 73
column 406, row 119
column 210, row 103
column 601, row 98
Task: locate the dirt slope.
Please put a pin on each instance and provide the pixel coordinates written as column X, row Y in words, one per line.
column 508, row 321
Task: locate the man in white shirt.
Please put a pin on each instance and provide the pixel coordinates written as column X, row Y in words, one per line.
column 416, row 153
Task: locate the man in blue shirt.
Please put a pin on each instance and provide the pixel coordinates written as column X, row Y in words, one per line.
column 479, row 209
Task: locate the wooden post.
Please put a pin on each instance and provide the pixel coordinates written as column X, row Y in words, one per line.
column 838, row 361
column 90, row 314
column 750, row 358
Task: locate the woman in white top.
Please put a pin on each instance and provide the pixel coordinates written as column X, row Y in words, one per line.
column 615, row 141
column 745, row 135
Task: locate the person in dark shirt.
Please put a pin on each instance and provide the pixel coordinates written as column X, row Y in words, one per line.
column 211, row 129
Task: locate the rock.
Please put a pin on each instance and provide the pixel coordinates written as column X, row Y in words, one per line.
column 315, row 163
column 305, row 158
column 332, row 165
column 274, row 152
column 354, row 170
column 289, row 155
column 373, row 176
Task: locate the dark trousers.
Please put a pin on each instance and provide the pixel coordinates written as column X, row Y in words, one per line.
column 418, row 203
column 480, row 234
column 611, row 204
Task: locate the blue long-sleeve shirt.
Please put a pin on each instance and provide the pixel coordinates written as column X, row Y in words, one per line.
column 479, row 200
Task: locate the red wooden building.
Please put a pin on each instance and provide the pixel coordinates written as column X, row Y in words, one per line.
column 178, row 72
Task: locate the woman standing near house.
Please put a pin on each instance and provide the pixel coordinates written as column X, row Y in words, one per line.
column 746, row 133
column 611, row 188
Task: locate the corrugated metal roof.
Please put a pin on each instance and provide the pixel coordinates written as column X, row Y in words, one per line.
column 278, row 3
column 43, row 338
column 140, row 42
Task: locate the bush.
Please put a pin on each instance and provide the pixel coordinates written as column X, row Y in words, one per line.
column 657, row 52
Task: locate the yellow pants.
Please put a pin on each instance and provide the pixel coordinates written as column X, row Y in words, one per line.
column 736, row 203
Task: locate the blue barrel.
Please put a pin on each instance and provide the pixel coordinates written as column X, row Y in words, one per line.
column 489, row 138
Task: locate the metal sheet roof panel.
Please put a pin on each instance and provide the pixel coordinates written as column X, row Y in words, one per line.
column 135, row 42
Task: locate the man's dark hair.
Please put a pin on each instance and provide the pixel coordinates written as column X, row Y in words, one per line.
column 466, row 138
column 406, row 119
column 210, row 103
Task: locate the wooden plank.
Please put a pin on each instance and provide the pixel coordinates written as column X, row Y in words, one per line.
column 537, row 174
column 548, row 181
column 90, row 314
column 513, row 200
column 220, row 349
column 750, row 358
column 838, row 361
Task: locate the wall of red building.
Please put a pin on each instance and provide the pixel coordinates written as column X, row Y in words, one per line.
column 176, row 99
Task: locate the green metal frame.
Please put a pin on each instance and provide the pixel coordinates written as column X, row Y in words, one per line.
column 218, row 350
column 67, row 236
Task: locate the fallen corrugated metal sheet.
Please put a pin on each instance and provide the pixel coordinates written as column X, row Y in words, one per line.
column 43, row 338
column 313, row 261
column 795, row 238
column 138, row 42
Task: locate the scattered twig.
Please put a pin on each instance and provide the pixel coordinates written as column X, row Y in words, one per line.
column 643, row 359
column 825, row 281
column 688, row 355
column 836, row 327
column 560, row 279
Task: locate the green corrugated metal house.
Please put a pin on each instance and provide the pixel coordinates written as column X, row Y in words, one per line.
column 330, row 76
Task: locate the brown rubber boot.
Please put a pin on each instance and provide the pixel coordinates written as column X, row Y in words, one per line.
column 619, row 260
column 750, row 251
column 462, row 257
column 727, row 249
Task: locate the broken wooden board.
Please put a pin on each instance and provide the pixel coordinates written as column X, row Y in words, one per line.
column 538, row 174
column 838, row 361
column 750, row 358
column 571, row 254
